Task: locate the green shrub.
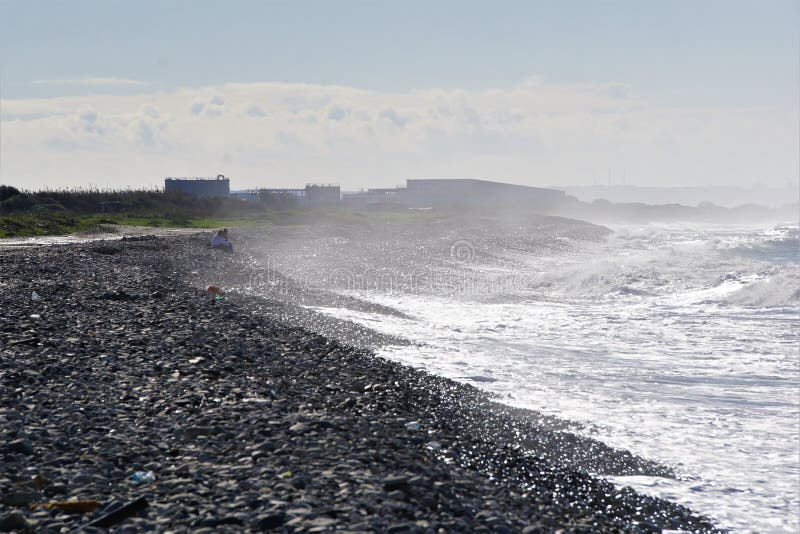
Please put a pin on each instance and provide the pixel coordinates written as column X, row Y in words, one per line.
column 7, row 191
column 49, row 207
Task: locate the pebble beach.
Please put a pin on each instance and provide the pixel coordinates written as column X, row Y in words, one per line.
column 122, row 381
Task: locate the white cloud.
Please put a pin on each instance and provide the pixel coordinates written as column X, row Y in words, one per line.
column 336, row 113
column 536, row 133
column 197, row 107
column 255, row 111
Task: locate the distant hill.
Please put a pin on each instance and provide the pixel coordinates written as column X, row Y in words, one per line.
column 688, row 196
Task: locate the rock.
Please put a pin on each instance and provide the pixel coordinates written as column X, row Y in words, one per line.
column 318, row 522
column 20, row 498
column 20, row 446
column 395, row 483
column 298, row 428
column 404, row 527
column 55, row 489
column 196, row 432
column 14, row 521
column 270, row 521
column 253, row 421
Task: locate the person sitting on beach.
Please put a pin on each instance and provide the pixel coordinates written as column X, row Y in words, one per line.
column 220, row 241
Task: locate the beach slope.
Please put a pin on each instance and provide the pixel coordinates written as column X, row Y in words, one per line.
column 119, row 365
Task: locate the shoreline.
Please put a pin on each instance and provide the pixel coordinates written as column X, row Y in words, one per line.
column 248, row 420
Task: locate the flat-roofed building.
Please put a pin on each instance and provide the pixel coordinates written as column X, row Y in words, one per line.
column 478, row 193
column 463, row 193
column 310, row 195
column 201, row 187
column 316, row 194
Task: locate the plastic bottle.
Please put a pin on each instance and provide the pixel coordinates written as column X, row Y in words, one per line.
column 143, row 477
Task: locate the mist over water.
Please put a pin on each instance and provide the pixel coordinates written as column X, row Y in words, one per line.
column 678, row 343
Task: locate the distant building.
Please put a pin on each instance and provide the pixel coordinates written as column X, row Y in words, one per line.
column 248, row 195
column 311, row 195
column 463, row 193
column 201, row 187
column 479, row 193
column 316, row 194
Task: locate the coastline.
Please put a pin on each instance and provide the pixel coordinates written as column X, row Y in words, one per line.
column 249, row 420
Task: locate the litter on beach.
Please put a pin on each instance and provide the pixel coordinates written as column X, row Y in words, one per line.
column 121, row 513
column 143, row 477
column 215, row 292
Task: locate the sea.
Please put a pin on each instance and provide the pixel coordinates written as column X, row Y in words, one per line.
column 677, row 342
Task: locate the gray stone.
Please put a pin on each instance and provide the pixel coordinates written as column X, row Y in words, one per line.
column 20, row 498
column 14, row 521
column 20, row 446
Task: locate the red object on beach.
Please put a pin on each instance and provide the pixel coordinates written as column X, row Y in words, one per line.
column 214, row 290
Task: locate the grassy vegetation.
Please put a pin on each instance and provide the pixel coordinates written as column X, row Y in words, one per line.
column 25, row 214
column 63, row 212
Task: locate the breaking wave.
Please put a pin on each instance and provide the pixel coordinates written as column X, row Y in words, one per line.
column 750, row 270
column 781, row 289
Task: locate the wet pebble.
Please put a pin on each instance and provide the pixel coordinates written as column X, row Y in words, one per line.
column 251, row 422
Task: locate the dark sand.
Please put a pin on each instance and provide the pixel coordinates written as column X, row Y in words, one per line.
column 251, row 422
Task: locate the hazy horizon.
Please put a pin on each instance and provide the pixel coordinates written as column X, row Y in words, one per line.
column 114, row 95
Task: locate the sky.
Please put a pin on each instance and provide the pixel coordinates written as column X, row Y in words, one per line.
column 115, row 94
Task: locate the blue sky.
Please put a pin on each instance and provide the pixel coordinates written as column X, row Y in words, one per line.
column 736, row 55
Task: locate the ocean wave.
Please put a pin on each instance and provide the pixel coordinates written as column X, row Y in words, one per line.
column 725, row 267
column 779, row 245
column 780, row 289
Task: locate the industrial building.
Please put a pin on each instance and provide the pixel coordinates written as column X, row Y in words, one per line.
column 201, row 187
column 477, row 193
column 316, row 194
column 418, row 193
column 462, row 193
column 311, row 195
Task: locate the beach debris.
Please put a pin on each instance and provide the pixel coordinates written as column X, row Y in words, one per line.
column 433, row 445
column 143, row 477
column 413, row 426
column 40, row 482
column 120, row 514
column 86, row 418
column 36, row 296
column 215, row 292
column 35, row 316
column 71, row 507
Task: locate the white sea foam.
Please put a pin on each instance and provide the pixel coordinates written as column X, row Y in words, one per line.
column 679, row 343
